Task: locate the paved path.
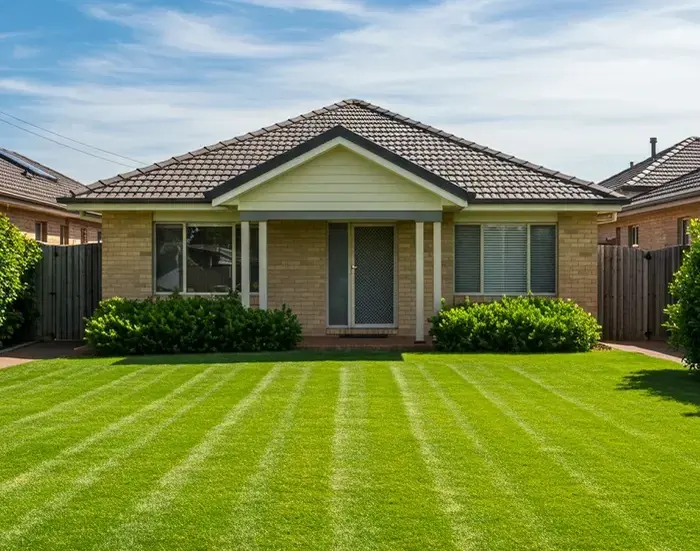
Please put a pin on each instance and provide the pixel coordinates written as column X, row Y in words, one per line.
column 655, row 349
column 38, row 351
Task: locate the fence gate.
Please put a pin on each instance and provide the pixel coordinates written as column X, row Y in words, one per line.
column 68, row 289
column 633, row 290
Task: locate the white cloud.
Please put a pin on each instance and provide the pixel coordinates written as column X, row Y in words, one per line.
column 580, row 93
column 340, row 6
column 24, row 52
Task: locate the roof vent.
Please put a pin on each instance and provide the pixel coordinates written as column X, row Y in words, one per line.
column 653, row 142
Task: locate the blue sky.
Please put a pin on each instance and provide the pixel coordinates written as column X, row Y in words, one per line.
column 578, row 86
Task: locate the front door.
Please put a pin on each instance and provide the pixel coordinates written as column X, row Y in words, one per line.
column 361, row 276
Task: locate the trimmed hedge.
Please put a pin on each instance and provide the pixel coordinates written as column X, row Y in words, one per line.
column 522, row 324
column 189, row 325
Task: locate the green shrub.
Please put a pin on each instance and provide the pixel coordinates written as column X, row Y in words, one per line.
column 523, row 324
column 18, row 257
column 189, row 325
column 684, row 315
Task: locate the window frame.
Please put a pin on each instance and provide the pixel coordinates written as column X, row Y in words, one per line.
column 43, row 228
column 184, row 225
column 684, row 236
column 631, row 230
column 64, row 234
column 528, row 225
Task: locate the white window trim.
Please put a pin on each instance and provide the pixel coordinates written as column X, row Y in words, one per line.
column 481, row 250
column 184, row 225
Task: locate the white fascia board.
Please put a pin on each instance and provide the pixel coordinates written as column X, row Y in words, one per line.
column 338, row 142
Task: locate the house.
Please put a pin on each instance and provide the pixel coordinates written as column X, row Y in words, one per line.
column 357, row 218
column 664, row 192
column 28, row 192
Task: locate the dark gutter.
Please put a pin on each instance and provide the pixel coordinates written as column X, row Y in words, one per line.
column 141, row 201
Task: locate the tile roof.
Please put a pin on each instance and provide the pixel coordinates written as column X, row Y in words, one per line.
column 669, row 164
column 492, row 175
column 17, row 183
column 681, row 188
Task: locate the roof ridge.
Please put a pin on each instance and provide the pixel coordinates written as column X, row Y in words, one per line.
column 219, row 145
column 693, row 172
column 44, row 167
column 487, row 150
column 650, row 160
column 661, row 159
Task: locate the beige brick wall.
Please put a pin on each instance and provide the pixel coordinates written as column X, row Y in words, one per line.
column 297, row 271
column 578, row 259
column 657, row 229
column 26, row 219
column 127, row 262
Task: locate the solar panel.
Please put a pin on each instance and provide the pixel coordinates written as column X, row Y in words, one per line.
column 25, row 165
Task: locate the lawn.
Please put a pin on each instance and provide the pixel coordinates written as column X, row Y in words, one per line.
column 363, row 451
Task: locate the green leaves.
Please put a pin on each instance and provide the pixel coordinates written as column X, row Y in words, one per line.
column 189, row 325
column 18, row 256
column 684, row 316
column 522, row 324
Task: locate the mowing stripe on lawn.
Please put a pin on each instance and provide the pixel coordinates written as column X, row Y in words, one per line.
column 25, row 436
column 33, row 380
column 48, row 464
column 242, row 532
column 61, row 406
column 649, row 439
column 33, row 388
column 349, row 455
column 602, row 499
column 43, row 513
column 464, row 535
column 174, row 480
column 499, row 477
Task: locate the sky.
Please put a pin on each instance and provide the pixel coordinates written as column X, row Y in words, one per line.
column 576, row 85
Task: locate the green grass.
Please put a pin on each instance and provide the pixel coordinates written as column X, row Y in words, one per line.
column 350, row 452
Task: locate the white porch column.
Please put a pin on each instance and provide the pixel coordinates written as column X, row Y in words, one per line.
column 437, row 266
column 245, row 264
column 262, row 259
column 420, row 291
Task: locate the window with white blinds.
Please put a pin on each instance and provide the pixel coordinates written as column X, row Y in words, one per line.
column 505, row 259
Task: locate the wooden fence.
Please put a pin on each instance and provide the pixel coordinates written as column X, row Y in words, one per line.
column 633, row 290
column 68, row 289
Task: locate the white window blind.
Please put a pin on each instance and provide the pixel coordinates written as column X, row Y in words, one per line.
column 505, row 260
column 494, row 259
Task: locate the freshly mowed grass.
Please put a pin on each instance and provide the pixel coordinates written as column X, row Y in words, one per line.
column 350, row 451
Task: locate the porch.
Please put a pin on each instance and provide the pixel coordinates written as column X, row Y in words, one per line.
column 380, row 274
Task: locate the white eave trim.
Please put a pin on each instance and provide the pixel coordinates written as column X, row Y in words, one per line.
column 327, row 146
column 126, row 206
column 543, row 207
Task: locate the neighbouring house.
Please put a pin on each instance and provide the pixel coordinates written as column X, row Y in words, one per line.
column 664, row 192
column 28, row 192
column 358, row 219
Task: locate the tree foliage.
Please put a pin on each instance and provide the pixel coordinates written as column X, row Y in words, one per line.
column 18, row 256
column 684, row 315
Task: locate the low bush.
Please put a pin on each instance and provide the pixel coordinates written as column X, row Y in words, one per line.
column 523, row 324
column 189, row 325
column 684, row 315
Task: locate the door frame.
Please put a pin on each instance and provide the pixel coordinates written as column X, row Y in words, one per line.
column 351, row 279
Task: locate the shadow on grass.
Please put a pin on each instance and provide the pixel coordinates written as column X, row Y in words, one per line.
column 295, row 356
column 669, row 384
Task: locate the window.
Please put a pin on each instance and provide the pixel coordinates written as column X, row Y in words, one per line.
column 83, row 235
column 633, row 236
column 41, row 232
column 198, row 259
column 618, row 236
column 683, row 229
column 99, row 237
column 65, row 236
column 505, row 259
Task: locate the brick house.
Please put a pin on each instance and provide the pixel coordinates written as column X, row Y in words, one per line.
column 28, row 192
column 357, row 218
column 664, row 192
